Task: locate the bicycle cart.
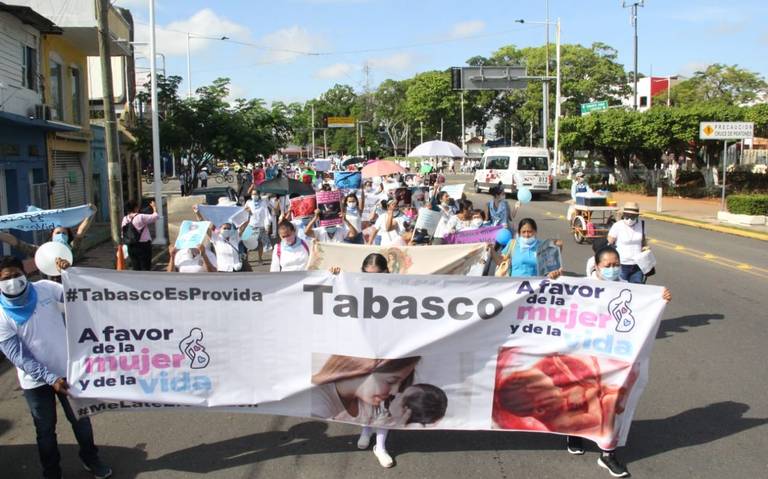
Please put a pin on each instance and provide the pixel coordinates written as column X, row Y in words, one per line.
column 592, row 222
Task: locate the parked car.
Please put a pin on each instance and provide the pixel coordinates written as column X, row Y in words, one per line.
column 213, row 193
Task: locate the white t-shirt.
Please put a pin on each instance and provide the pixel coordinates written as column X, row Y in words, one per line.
column 185, row 262
column 227, row 253
column 260, row 215
column 325, row 401
column 44, row 335
column 291, row 258
column 321, row 234
column 629, row 240
column 443, row 226
column 391, row 238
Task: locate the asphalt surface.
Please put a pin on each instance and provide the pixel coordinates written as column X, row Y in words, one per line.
column 704, row 413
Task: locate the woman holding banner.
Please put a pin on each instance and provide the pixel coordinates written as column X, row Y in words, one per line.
column 607, row 268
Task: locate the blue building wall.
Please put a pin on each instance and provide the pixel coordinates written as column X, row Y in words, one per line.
column 23, row 158
column 99, row 171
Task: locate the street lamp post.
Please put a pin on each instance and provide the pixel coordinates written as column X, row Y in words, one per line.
column 189, row 59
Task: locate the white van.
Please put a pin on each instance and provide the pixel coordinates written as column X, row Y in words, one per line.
column 513, row 167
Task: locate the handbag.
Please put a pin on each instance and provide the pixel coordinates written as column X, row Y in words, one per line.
column 503, row 268
column 647, row 260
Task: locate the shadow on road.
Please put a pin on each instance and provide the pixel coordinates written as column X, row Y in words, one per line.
column 647, row 438
column 684, row 323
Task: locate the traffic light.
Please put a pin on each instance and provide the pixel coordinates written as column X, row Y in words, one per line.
column 456, row 78
column 325, row 120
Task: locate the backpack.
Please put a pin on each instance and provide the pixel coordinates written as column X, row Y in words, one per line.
column 130, row 234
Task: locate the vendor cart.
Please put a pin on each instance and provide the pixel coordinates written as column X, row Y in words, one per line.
column 592, row 222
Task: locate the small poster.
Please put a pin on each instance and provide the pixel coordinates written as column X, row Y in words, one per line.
column 329, row 204
column 548, row 258
column 303, row 206
column 428, row 221
column 403, row 197
column 454, row 191
column 192, row 234
column 419, row 197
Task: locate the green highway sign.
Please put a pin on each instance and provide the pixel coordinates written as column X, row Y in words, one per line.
column 587, row 108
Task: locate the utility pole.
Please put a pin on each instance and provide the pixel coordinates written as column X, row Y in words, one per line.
column 633, row 19
column 530, row 136
column 325, row 143
column 160, row 224
column 441, row 129
column 110, row 126
column 545, row 85
column 189, row 70
column 463, row 142
column 312, row 127
column 421, row 123
column 558, row 102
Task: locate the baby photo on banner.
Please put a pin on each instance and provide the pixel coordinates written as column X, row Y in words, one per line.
column 192, row 234
column 329, row 204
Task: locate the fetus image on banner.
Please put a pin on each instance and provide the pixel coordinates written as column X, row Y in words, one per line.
column 377, row 392
column 621, row 312
column 194, row 350
column 572, row 394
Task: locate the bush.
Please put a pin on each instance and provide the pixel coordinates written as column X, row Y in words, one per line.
column 564, row 184
column 747, row 182
column 631, row 187
column 748, row 204
column 690, row 179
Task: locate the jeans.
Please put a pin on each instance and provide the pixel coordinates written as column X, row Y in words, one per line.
column 632, row 273
column 42, row 405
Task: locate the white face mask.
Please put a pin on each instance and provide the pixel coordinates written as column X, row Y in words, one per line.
column 477, row 222
column 13, row 286
column 630, row 221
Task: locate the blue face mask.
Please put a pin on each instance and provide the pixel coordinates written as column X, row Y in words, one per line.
column 62, row 238
column 610, row 274
column 528, row 242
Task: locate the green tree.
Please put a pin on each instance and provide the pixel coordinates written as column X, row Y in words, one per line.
column 429, row 99
column 721, row 84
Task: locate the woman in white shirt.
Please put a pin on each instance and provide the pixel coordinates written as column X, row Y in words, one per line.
column 628, row 237
column 331, row 234
column 390, row 227
column 226, row 244
column 291, row 253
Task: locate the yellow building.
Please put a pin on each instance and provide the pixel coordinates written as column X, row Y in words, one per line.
column 64, row 68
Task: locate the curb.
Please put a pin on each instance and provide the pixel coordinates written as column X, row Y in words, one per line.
column 708, row 226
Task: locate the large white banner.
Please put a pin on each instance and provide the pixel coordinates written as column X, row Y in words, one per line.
column 449, row 352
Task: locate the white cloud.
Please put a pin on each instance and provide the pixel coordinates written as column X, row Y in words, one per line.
column 289, row 43
column 337, row 70
column 395, row 62
column 171, row 40
column 235, row 92
column 690, row 68
column 138, row 4
column 465, row 29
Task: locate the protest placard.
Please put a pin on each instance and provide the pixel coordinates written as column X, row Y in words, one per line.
column 428, row 220
column 485, row 234
column 403, row 197
column 303, row 206
column 454, row 191
column 329, row 204
column 35, row 219
column 218, row 214
column 192, row 234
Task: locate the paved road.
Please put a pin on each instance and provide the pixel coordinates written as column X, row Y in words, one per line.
column 704, row 413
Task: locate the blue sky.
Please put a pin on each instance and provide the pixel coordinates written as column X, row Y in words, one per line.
column 267, row 58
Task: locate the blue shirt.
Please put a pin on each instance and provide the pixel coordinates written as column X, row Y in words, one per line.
column 498, row 216
column 524, row 264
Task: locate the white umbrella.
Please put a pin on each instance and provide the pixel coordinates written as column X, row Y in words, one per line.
column 441, row 149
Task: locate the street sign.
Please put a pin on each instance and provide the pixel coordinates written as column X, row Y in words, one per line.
column 726, row 130
column 488, row 78
column 341, row 122
column 587, row 108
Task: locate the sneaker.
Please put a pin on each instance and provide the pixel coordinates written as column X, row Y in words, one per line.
column 383, row 456
column 613, row 465
column 575, row 445
column 364, row 441
column 98, row 469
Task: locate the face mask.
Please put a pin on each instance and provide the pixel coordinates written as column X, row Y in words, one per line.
column 630, row 221
column 62, row 238
column 289, row 240
column 610, row 274
column 255, row 198
column 331, row 230
column 477, row 222
column 528, row 242
column 13, row 286
column 352, row 205
column 227, row 234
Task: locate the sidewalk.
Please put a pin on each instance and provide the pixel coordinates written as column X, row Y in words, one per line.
column 699, row 213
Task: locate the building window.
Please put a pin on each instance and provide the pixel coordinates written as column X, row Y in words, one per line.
column 643, row 101
column 77, row 96
column 56, row 91
column 29, row 67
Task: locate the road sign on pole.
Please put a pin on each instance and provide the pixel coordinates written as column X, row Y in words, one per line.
column 587, row 108
column 341, row 122
column 726, row 130
column 488, row 78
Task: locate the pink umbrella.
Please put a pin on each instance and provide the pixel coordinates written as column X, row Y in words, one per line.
column 381, row 168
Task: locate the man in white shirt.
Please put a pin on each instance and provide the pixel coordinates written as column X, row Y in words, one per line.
column 33, row 337
column 627, row 236
column 203, row 177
